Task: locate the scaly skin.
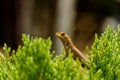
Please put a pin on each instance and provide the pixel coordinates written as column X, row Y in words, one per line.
column 68, row 44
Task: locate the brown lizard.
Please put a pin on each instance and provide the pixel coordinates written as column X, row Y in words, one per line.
column 68, row 44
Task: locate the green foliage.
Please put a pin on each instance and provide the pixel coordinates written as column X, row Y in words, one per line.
column 105, row 60
column 34, row 60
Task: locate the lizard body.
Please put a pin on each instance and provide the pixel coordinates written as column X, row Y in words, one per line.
column 68, row 44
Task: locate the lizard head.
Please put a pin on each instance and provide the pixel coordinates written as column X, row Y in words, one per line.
column 63, row 37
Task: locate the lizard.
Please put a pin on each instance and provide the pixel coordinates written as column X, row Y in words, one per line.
column 68, row 44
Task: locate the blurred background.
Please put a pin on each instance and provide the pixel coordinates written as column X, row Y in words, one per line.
column 80, row 19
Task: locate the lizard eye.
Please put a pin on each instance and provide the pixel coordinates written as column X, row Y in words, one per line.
column 63, row 34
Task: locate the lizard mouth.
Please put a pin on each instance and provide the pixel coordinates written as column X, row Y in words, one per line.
column 58, row 34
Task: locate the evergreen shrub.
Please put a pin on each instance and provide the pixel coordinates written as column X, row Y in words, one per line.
column 34, row 60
